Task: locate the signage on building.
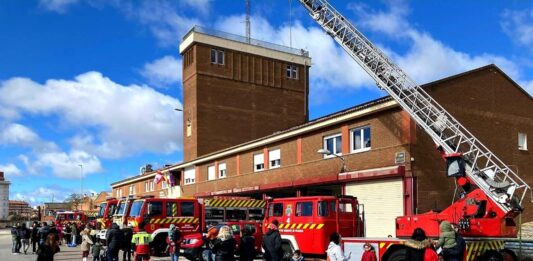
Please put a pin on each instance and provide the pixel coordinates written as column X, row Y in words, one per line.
column 400, row 157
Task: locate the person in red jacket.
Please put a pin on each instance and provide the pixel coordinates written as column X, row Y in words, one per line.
column 369, row 254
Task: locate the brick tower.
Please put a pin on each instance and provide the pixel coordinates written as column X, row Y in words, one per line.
column 236, row 90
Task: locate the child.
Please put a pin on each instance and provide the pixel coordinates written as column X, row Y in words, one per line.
column 446, row 237
column 369, row 254
column 96, row 250
column 86, row 243
column 297, row 256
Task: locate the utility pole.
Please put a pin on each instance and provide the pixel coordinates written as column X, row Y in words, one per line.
column 81, row 180
column 247, row 21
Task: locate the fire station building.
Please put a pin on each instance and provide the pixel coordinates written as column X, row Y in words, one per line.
column 247, row 133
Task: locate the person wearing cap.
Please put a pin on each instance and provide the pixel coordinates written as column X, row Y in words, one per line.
column 141, row 244
column 272, row 243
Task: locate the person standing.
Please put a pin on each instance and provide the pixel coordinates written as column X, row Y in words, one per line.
column 334, row 251
column 174, row 241
column 224, row 245
column 272, row 243
column 127, row 235
column 14, row 239
column 34, row 236
column 208, row 239
column 43, row 233
column 67, row 233
column 74, row 234
column 369, row 254
column 247, row 246
column 446, row 239
column 114, row 240
column 48, row 249
column 97, row 248
column 25, row 235
column 141, row 244
column 86, row 243
column 418, row 245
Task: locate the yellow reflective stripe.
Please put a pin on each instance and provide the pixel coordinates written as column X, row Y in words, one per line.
column 293, row 225
column 299, row 226
column 281, row 225
column 306, row 226
column 319, row 226
column 312, row 226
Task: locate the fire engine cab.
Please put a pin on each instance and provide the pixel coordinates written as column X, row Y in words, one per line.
column 77, row 217
column 105, row 214
column 120, row 216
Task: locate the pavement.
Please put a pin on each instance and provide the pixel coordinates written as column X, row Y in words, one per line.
column 66, row 254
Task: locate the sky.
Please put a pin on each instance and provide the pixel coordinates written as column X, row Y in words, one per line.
column 89, row 87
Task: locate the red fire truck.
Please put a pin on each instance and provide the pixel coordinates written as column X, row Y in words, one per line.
column 490, row 193
column 237, row 213
column 77, row 217
column 120, row 216
column 305, row 223
column 105, row 214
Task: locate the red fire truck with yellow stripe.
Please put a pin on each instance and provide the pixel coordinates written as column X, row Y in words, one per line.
column 105, row 214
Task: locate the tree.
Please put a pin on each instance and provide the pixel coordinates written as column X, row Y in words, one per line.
column 74, row 200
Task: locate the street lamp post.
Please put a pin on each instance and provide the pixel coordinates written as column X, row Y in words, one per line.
column 329, row 153
column 81, row 180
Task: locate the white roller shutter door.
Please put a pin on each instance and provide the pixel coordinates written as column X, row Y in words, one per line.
column 383, row 202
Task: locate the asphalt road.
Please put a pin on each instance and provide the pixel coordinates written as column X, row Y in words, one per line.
column 66, row 254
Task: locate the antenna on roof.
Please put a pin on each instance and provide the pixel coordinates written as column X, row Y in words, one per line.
column 247, row 21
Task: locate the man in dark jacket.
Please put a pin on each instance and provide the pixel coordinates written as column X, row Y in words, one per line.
column 127, row 234
column 34, row 236
column 15, row 239
column 43, row 233
column 272, row 243
column 114, row 241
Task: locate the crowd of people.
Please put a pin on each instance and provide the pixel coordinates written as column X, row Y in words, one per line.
column 220, row 245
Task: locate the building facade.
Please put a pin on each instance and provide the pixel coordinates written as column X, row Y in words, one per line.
column 20, row 208
column 4, row 197
column 378, row 154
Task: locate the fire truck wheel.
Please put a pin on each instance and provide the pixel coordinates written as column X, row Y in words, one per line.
column 160, row 244
column 398, row 255
column 509, row 255
column 492, row 255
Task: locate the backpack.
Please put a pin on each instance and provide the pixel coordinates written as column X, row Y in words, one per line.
column 430, row 255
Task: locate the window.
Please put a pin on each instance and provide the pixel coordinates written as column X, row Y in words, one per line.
column 222, row 170
column 217, row 56
column 164, row 185
column 333, row 143
column 292, row 71
column 522, row 141
column 360, row 139
column 187, row 209
column 152, row 185
column 190, row 175
column 132, row 190
column 275, row 210
column 172, row 209
column 323, row 209
column 274, row 158
column 156, row 208
column 146, row 186
column 259, row 162
column 135, row 210
column 211, row 175
column 304, row 209
column 345, row 207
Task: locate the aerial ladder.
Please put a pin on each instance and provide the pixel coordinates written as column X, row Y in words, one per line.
column 492, row 193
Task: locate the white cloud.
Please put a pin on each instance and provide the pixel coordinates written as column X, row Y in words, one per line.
column 59, row 6
column 163, row 72
column 43, row 194
column 201, row 6
column 20, row 135
column 126, row 119
column 66, row 165
column 518, row 24
column 10, row 170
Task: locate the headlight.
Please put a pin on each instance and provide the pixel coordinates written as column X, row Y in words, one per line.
column 193, row 241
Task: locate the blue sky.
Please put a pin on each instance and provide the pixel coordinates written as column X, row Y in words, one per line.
column 95, row 82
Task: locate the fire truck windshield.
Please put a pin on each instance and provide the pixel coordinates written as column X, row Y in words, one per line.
column 102, row 210
column 135, row 210
column 121, row 208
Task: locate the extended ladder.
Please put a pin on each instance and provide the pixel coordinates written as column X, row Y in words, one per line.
column 486, row 170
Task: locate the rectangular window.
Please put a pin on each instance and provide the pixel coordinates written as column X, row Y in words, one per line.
column 522, row 141
column 132, row 190
column 211, row 175
column 190, row 175
column 360, row 139
column 222, row 170
column 274, row 158
column 333, row 144
column 152, row 185
column 146, row 186
column 259, row 162
column 345, row 207
column 292, row 71
column 187, row 209
column 172, row 209
column 323, row 209
column 275, row 210
column 217, row 56
column 156, row 208
column 304, row 209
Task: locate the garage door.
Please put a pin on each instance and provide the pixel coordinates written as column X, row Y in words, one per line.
column 383, row 202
